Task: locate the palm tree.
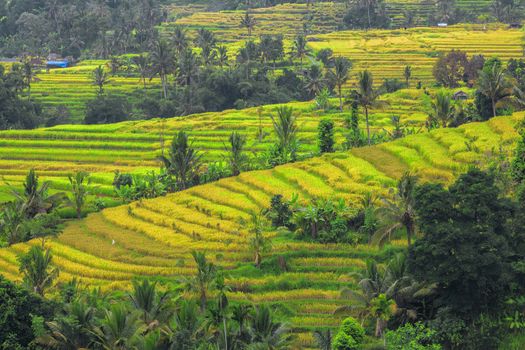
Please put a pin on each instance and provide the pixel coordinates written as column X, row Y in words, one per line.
column 79, row 190
column 162, row 64
column 35, row 199
column 222, row 56
column 398, row 212
column 382, row 309
column 73, row 331
column 323, row 338
column 339, row 76
column 443, row 112
column 36, row 269
column 185, row 327
column 100, row 78
column 188, row 70
column 152, row 304
column 258, row 243
column 494, row 84
column 248, row 22
column 367, row 96
column 300, row 48
column 285, row 127
column 203, row 280
column 179, row 40
column 407, row 74
column 29, row 76
column 184, row 162
column 143, row 67
column 206, row 39
column 267, row 334
column 236, row 158
column 119, row 329
column 314, row 81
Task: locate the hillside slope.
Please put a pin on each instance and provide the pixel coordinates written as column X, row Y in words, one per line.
column 134, row 146
column 154, row 238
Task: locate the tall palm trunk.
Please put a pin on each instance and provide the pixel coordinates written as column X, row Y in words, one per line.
column 367, row 126
column 380, row 326
column 340, row 99
column 493, row 106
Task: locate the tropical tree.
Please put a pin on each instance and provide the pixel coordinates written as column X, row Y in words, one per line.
column 407, row 73
column 203, row 280
column 442, row 110
column 185, row 327
column 285, row 127
column 235, row 156
column 314, row 80
column 35, row 266
column 28, row 76
column 143, row 67
column 35, row 199
column 495, row 85
column 152, row 304
column 382, row 308
column 119, row 328
column 183, row 161
column 79, row 190
column 222, row 56
column 267, row 334
column 248, row 22
column 300, row 48
column 100, row 78
column 366, row 96
column 398, row 212
column 162, row 64
column 259, row 244
column 179, row 40
column 323, row 338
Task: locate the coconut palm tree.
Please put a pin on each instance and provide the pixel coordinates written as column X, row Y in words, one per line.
column 152, row 304
column 407, row 73
column 162, row 64
column 143, row 67
column 179, row 40
column 442, row 109
column 100, row 79
column 339, row 76
column 323, row 338
column 236, row 158
column 495, row 85
column 203, row 280
column 35, row 199
column 267, row 334
column 35, row 266
column 366, row 96
column 258, row 243
column 119, row 329
column 314, row 80
column 79, row 190
column 28, row 75
column 398, row 212
column 300, row 48
column 183, row 161
column 285, row 127
column 185, row 327
column 248, row 22
column 222, row 56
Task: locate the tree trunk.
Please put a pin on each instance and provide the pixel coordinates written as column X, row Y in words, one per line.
column 493, row 106
column 367, row 126
column 380, row 326
column 203, row 300
column 340, row 98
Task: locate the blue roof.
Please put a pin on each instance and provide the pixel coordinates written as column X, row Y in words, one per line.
column 61, row 64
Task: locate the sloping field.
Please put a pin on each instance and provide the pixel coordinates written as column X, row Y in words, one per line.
column 73, row 87
column 154, row 238
column 134, row 146
column 386, row 52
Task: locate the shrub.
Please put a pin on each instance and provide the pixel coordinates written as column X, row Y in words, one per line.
column 411, row 337
column 107, row 109
column 343, row 341
column 351, row 327
column 518, row 164
column 326, row 136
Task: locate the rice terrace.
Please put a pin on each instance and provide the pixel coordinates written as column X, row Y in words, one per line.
column 263, row 174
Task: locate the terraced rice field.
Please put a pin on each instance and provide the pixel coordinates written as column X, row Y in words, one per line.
column 134, row 146
column 154, row 238
column 73, row 87
column 386, row 52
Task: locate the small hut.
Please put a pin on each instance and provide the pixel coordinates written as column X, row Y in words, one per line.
column 460, row 96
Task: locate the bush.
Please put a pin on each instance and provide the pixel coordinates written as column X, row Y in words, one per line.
column 518, row 164
column 107, row 109
column 343, row 341
column 411, row 337
column 326, row 136
column 351, row 327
